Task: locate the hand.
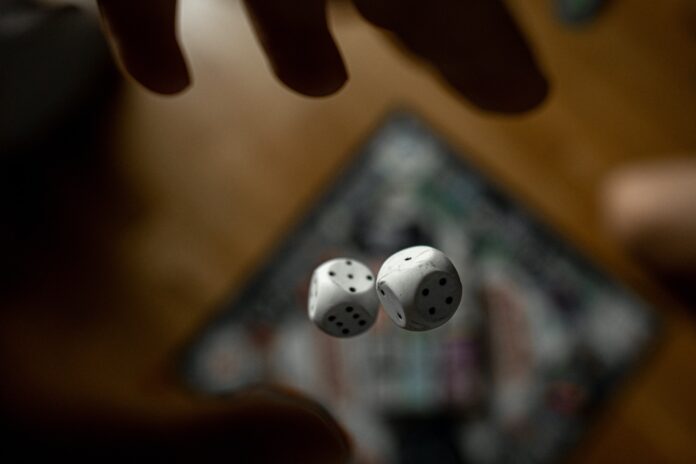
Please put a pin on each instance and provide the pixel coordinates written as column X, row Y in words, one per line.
column 474, row 45
column 652, row 209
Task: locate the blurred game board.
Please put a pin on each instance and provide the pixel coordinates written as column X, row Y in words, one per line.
column 541, row 335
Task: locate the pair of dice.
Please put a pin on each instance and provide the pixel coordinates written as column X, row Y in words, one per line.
column 418, row 287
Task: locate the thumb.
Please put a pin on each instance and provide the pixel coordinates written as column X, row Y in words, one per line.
column 263, row 425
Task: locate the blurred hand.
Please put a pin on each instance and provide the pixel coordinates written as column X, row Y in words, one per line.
column 260, row 426
column 652, row 208
column 474, row 45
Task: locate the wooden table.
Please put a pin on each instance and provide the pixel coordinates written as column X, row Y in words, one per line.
column 214, row 178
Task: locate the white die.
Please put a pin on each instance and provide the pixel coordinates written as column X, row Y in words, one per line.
column 342, row 298
column 419, row 288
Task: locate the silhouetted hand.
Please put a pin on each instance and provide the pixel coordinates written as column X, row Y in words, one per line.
column 474, row 45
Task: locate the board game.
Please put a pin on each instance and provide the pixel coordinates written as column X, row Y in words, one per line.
column 541, row 338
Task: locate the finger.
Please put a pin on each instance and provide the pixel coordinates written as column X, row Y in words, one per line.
column 296, row 38
column 143, row 34
column 652, row 209
column 475, row 45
